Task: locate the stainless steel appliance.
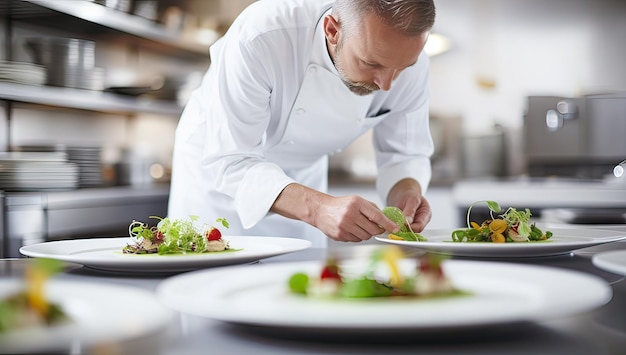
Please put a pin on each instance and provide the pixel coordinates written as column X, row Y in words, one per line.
column 575, row 137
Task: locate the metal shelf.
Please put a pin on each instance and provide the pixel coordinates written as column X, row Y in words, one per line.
column 92, row 17
column 85, row 99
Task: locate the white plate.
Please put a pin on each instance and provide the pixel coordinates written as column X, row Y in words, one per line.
column 501, row 293
column 106, row 254
column 98, row 314
column 563, row 241
column 613, row 261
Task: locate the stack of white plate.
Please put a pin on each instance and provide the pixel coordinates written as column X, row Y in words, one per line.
column 89, row 164
column 22, row 73
column 86, row 158
column 28, row 171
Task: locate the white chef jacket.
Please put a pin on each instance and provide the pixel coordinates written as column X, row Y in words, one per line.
column 272, row 107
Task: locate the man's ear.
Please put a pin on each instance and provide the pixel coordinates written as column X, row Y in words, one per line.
column 331, row 29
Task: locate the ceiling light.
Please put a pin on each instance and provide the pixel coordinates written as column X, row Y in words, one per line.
column 437, row 44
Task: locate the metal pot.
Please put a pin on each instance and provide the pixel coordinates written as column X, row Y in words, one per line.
column 69, row 62
column 484, row 155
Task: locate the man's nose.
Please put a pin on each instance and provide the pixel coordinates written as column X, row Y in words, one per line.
column 384, row 78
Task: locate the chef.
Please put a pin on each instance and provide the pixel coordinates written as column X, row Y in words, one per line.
column 291, row 82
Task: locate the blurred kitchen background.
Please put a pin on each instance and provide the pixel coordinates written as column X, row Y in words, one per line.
column 528, row 108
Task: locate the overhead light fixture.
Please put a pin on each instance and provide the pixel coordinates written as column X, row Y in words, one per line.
column 437, row 44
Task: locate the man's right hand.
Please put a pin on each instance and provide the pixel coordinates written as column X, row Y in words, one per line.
column 345, row 219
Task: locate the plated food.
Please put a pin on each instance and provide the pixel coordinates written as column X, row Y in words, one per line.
column 563, row 241
column 426, row 279
column 105, row 254
column 512, row 226
column 175, row 236
column 96, row 315
column 29, row 307
column 496, row 294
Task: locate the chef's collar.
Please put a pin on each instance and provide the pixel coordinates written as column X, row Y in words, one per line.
column 319, row 52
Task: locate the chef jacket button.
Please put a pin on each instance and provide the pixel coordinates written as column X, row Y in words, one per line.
column 300, row 111
column 313, row 69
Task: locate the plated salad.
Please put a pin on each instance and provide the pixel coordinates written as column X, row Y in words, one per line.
column 508, row 227
column 425, row 279
column 29, row 307
column 171, row 236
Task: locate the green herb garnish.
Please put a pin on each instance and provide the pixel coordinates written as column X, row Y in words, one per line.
column 397, row 216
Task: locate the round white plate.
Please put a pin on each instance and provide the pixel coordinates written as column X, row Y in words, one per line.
column 99, row 314
column 613, row 261
column 563, row 241
column 501, row 293
column 106, row 254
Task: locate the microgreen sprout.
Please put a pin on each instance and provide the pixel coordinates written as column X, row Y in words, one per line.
column 493, row 207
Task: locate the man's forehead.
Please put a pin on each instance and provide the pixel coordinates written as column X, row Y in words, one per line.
column 377, row 43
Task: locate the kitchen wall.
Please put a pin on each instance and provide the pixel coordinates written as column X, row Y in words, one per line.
column 505, row 50
column 501, row 52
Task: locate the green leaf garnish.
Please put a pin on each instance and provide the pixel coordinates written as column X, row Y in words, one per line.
column 223, row 221
column 397, row 216
column 494, row 206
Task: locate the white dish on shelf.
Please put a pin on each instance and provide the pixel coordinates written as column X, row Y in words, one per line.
column 613, row 261
column 106, row 254
column 499, row 294
column 99, row 314
column 563, row 241
column 22, row 72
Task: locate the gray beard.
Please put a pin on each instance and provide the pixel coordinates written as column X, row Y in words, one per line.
column 361, row 89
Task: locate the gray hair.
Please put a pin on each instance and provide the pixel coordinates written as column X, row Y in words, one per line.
column 412, row 17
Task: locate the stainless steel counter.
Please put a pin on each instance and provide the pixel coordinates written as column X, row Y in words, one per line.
column 602, row 331
column 34, row 217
